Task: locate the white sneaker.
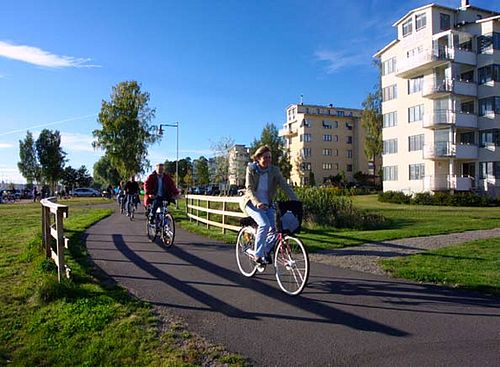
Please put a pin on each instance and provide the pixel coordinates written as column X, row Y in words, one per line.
column 251, row 252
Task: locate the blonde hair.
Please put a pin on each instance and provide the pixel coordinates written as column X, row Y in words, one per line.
column 260, row 151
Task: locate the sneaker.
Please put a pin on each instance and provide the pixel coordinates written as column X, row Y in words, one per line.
column 251, row 253
column 268, row 258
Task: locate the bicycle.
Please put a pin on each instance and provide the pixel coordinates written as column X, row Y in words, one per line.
column 164, row 224
column 131, row 200
column 289, row 255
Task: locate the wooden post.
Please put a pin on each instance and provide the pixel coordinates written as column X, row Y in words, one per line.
column 224, row 217
column 61, row 269
column 208, row 214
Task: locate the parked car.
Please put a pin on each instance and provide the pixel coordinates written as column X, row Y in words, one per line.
column 212, row 190
column 86, row 192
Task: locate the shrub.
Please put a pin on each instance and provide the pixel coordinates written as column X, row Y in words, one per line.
column 396, row 197
column 438, row 198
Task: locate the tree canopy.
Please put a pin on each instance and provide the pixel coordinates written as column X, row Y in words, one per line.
column 126, row 131
column 51, row 157
column 105, row 173
column 28, row 162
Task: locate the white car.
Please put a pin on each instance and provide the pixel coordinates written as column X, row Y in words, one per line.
column 86, row 191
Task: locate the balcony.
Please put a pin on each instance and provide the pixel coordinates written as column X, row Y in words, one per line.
column 288, row 132
column 437, row 88
column 447, row 150
column 442, row 118
column 439, row 54
column 466, row 151
column 448, row 182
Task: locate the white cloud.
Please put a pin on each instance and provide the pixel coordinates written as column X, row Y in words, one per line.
column 6, row 145
column 75, row 142
column 37, row 56
column 338, row 60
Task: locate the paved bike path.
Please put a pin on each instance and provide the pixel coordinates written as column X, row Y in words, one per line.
column 343, row 317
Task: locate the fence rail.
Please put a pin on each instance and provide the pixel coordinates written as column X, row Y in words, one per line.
column 196, row 204
column 53, row 229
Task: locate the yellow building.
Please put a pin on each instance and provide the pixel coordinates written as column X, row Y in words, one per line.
column 324, row 141
column 441, row 101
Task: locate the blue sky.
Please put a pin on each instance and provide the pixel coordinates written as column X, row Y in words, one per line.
column 220, row 68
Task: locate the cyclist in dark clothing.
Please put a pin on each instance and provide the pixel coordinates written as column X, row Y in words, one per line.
column 131, row 192
column 158, row 186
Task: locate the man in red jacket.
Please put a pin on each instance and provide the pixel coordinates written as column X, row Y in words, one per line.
column 158, row 187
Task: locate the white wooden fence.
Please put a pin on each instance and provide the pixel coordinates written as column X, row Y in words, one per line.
column 52, row 228
column 198, row 209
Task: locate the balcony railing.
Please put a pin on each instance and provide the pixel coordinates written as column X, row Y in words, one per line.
column 433, row 57
column 447, row 150
column 287, row 132
column 436, row 87
column 448, row 182
column 438, row 118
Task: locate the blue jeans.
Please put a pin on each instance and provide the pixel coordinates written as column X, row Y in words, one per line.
column 157, row 203
column 266, row 222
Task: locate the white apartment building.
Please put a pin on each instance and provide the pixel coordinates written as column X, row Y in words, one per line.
column 324, row 141
column 239, row 157
column 441, row 101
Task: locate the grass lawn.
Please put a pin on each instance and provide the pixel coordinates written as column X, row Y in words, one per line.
column 474, row 265
column 79, row 322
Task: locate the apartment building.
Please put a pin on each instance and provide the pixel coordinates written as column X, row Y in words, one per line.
column 441, row 101
column 239, row 157
column 324, row 141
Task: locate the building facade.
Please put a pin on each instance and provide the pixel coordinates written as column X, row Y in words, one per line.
column 239, row 157
column 324, row 141
column 441, row 101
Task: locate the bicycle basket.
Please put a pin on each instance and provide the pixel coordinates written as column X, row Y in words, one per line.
column 289, row 216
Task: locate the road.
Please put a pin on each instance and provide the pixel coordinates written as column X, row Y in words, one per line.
column 343, row 318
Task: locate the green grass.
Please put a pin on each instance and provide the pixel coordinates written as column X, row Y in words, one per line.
column 474, row 265
column 79, row 322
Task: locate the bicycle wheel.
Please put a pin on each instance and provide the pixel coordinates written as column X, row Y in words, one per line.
column 168, row 230
column 150, row 230
column 291, row 263
column 245, row 241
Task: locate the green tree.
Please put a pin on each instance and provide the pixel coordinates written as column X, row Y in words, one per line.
column 200, row 166
column 126, row 131
column 105, row 173
column 372, row 122
column 221, row 155
column 28, row 162
column 69, row 177
column 51, row 156
column 270, row 137
column 83, row 177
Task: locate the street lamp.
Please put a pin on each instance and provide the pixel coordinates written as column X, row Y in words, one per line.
column 160, row 132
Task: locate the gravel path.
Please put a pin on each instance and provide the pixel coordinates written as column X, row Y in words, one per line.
column 365, row 257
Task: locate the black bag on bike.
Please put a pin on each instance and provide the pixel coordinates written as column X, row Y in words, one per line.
column 289, row 216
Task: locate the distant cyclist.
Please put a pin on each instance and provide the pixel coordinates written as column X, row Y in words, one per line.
column 158, row 186
column 120, row 196
column 131, row 192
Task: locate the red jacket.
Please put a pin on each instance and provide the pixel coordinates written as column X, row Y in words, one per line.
column 151, row 187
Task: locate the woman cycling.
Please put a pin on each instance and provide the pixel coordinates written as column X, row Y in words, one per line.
column 262, row 181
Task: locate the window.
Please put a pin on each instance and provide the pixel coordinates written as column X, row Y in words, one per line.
column 349, row 139
column 414, row 51
column 327, row 124
column 489, row 138
column 349, row 154
column 420, row 21
column 335, row 138
column 327, row 152
column 327, row 166
column 417, row 171
column 390, row 119
column 416, row 113
column 389, row 93
column 467, row 107
column 467, row 76
column 390, row 173
column 489, row 170
column 389, row 66
column 306, row 138
column 348, row 168
column 489, row 73
column 467, row 138
column 305, row 166
column 341, row 113
column 335, row 152
column 415, row 142
column 306, row 152
column 415, row 84
column 444, row 21
column 390, row 146
column 489, row 106
column 407, row 27
column 305, row 123
column 348, row 125
column 327, row 137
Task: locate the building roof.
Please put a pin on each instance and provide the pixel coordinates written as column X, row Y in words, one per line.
column 495, row 17
column 420, row 9
column 323, row 106
column 388, row 46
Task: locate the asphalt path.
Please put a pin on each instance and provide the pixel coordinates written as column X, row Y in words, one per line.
column 343, row 317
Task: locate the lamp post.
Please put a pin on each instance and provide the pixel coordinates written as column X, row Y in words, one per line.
column 160, row 132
